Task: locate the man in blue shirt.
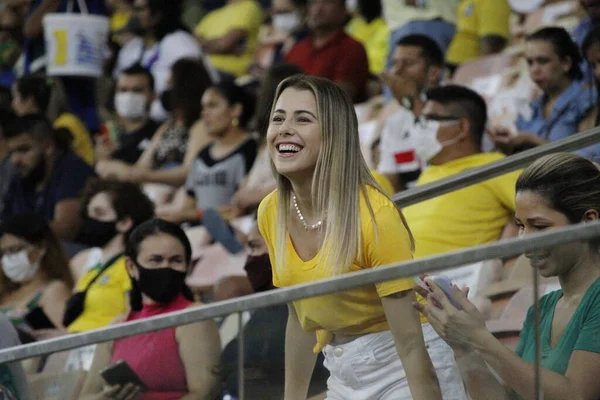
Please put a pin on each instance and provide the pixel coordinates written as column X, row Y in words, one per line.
column 49, row 177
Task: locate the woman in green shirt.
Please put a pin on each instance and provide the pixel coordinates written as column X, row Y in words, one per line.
column 555, row 191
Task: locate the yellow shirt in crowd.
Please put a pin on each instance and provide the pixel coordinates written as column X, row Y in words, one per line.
column 106, row 299
column 477, row 19
column 375, row 37
column 356, row 311
column 398, row 13
column 467, row 217
column 82, row 141
column 245, row 15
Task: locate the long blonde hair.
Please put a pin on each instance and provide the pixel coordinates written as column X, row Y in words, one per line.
column 340, row 177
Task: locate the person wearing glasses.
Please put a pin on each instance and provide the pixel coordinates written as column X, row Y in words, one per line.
column 448, row 139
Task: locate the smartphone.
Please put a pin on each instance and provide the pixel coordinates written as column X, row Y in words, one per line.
column 121, row 373
column 445, row 284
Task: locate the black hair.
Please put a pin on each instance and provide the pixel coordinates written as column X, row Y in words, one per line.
column 36, row 87
column 370, row 9
column 266, row 92
column 38, row 126
column 127, row 199
column 430, row 50
column 170, row 16
column 138, row 69
column 190, row 80
column 464, row 103
column 6, row 118
column 150, row 228
column 563, row 46
column 234, row 94
column 591, row 38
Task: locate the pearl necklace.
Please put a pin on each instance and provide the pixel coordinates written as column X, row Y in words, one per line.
column 301, row 217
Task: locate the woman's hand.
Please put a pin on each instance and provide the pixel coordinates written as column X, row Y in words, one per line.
column 123, row 392
column 459, row 328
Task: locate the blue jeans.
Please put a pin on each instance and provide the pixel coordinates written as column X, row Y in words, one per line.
column 220, row 231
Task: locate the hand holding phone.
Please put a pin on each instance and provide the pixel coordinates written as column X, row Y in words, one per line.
column 444, row 283
column 121, row 375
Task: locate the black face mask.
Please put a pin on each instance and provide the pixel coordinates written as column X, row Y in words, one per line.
column 96, row 233
column 162, row 285
column 166, row 99
column 260, row 275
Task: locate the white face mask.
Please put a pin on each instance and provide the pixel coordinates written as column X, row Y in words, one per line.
column 17, row 267
column 131, row 105
column 427, row 145
column 286, row 22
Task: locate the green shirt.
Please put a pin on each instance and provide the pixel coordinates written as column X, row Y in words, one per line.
column 582, row 331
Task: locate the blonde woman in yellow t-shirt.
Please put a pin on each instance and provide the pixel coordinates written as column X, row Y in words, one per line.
column 329, row 217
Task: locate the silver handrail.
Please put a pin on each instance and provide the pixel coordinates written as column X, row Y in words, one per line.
column 503, row 249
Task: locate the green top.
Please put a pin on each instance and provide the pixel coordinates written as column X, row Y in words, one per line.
column 581, row 333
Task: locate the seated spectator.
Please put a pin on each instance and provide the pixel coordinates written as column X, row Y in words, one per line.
column 591, row 52
column 13, row 382
column 35, row 282
column 482, row 29
column 448, row 137
column 133, row 98
column 221, row 167
column 112, row 210
column 11, row 44
column 175, row 145
column 554, row 192
column 163, row 41
column 328, row 52
column 49, row 177
column 418, row 65
column 566, row 104
column 229, row 36
column 6, row 168
column 372, row 32
column 174, row 363
column 31, row 95
column 588, row 23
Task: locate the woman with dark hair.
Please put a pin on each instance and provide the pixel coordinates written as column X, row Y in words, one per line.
column 567, row 102
column 221, row 167
column 35, row 281
column 556, row 191
column 184, row 361
column 111, row 210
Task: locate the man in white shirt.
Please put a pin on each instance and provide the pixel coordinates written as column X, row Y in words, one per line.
column 418, row 66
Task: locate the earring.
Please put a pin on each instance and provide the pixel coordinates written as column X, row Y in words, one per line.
column 235, row 122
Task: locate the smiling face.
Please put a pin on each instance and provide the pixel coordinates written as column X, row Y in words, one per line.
column 294, row 134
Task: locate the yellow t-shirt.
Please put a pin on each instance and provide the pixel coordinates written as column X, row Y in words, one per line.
column 82, row 141
column 375, row 37
column 397, row 13
column 467, row 217
column 356, row 311
column 245, row 15
column 106, row 299
column 383, row 182
column 477, row 19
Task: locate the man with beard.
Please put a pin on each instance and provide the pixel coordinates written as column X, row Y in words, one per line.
column 49, row 177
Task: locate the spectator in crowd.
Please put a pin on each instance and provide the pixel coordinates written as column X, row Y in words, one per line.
column 418, row 66
column 433, row 18
column 121, row 12
column 35, row 282
column 587, row 24
column 229, row 36
column 482, row 29
column 7, row 170
column 112, row 211
column 184, row 361
column 591, row 52
column 13, row 382
column 556, row 191
column 341, row 223
column 372, row 32
column 165, row 40
column 50, row 177
column 567, row 103
column 328, row 52
column 221, row 167
column 31, row 94
column 176, row 144
column 133, row 98
column 11, row 44
column 448, row 138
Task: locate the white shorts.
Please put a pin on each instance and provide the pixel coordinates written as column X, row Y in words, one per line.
column 368, row 368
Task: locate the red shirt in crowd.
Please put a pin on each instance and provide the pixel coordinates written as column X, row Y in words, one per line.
column 340, row 59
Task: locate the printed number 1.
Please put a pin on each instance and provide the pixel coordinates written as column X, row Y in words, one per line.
column 61, row 47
